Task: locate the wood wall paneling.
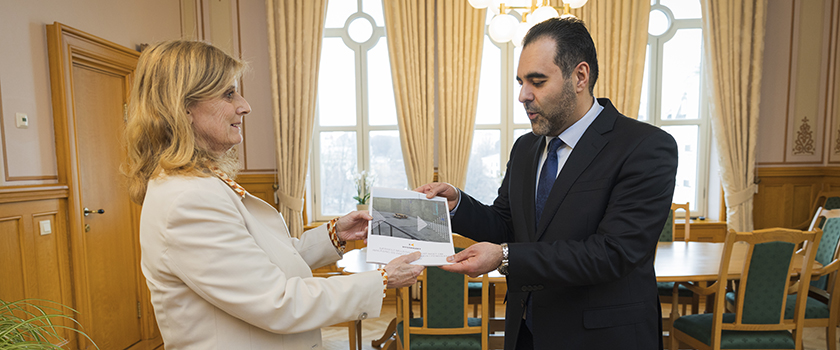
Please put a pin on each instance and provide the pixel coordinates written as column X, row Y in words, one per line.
column 261, row 186
column 35, row 265
column 702, row 230
column 11, row 256
column 785, row 195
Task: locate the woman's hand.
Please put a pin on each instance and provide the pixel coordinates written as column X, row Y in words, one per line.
column 401, row 273
column 353, row 226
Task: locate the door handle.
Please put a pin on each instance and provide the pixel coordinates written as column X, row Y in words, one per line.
column 88, row 211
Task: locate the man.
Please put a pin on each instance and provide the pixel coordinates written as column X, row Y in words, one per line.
column 580, row 270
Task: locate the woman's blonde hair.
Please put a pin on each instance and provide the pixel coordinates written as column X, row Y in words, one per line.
column 172, row 76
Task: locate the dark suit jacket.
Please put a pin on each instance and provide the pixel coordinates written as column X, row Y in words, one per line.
column 588, row 264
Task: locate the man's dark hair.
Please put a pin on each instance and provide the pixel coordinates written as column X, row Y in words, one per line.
column 574, row 45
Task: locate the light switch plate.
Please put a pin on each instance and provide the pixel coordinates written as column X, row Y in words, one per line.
column 46, row 228
column 21, row 120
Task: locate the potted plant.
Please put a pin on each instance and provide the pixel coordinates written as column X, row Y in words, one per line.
column 363, row 182
column 30, row 324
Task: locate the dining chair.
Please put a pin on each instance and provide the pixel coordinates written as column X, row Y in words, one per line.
column 474, row 288
column 670, row 229
column 666, row 289
column 825, row 199
column 443, row 321
column 757, row 320
column 823, row 304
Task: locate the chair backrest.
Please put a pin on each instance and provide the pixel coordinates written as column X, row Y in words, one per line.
column 825, row 200
column 461, row 242
column 670, row 228
column 828, row 200
column 829, row 248
column 769, row 260
column 444, row 310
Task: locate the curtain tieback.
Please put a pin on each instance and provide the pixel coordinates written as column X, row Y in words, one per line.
column 738, row 198
column 290, row 202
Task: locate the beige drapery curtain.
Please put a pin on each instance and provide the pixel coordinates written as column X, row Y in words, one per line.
column 295, row 29
column 619, row 29
column 734, row 41
column 460, row 38
column 411, row 47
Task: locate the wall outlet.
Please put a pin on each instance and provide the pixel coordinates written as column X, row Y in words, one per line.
column 46, row 228
column 21, row 120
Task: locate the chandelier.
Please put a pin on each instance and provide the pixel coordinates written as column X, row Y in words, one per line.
column 505, row 27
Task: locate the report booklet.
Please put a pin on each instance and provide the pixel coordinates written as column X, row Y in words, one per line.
column 405, row 222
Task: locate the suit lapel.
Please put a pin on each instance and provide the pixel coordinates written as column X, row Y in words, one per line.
column 587, row 148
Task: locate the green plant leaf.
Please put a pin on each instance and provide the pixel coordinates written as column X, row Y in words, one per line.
column 21, row 328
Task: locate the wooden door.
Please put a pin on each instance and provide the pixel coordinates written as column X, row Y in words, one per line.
column 90, row 82
column 99, row 97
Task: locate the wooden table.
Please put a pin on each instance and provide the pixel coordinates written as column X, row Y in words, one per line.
column 700, row 262
column 697, row 262
column 694, row 261
column 354, row 262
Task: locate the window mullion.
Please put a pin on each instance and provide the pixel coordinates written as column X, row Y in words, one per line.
column 508, row 72
column 656, row 79
column 361, row 109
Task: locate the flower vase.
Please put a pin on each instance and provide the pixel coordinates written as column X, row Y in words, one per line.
column 361, row 207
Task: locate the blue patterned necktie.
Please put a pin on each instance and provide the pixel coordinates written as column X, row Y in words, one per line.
column 547, row 177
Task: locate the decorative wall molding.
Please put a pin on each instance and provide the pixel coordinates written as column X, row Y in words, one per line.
column 811, row 171
column 19, row 194
column 804, row 138
column 837, row 143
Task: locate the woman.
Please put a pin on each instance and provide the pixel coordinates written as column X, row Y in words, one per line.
column 223, row 271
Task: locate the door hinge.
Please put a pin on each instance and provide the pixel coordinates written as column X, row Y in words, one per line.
column 138, row 309
column 125, row 112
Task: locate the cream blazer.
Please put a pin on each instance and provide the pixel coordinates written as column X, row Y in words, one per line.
column 224, row 273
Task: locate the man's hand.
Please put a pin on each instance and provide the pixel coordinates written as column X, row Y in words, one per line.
column 353, row 226
column 476, row 260
column 401, row 273
column 442, row 189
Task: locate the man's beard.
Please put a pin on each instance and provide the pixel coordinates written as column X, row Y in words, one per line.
column 554, row 120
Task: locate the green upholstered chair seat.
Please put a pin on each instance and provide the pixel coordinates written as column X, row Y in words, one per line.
column 813, row 308
column 700, row 327
column 439, row 342
column 667, row 289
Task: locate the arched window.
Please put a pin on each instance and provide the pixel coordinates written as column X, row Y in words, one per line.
column 500, row 118
column 356, row 124
column 672, row 93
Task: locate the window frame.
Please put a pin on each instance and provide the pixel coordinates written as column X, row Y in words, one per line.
column 506, row 125
column 654, row 58
column 362, row 127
